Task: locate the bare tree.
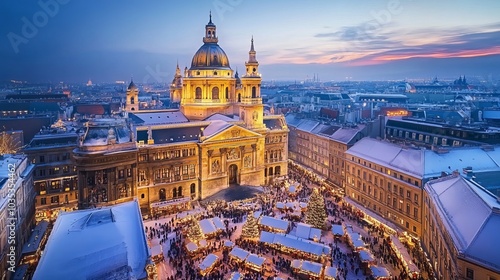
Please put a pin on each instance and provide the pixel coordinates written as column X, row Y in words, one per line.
column 9, row 143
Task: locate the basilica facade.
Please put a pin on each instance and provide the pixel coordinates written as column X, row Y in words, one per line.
column 219, row 137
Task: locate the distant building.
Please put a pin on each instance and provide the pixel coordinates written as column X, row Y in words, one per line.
column 55, row 176
column 461, row 221
column 16, row 208
column 429, row 134
column 102, row 243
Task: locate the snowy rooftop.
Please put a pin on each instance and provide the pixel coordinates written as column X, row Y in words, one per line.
column 274, row 223
column 471, row 215
column 215, row 127
column 255, row 260
column 160, row 117
column 330, row 272
column 425, row 163
column 346, row 134
column 221, row 117
column 378, row 271
column 338, row 230
column 308, row 266
column 98, row 135
column 307, row 231
column 294, row 242
column 208, row 262
column 211, row 225
column 96, row 243
column 239, row 253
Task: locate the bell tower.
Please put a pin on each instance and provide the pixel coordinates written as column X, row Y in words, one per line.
column 176, row 86
column 251, row 108
column 210, row 28
column 132, row 98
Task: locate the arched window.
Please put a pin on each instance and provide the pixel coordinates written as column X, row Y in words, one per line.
column 227, row 93
column 179, row 191
column 239, row 97
column 265, row 172
column 254, row 92
column 174, row 193
column 277, row 170
column 215, row 93
column 270, row 171
column 198, row 93
column 132, row 100
column 162, row 195
column 193, row 188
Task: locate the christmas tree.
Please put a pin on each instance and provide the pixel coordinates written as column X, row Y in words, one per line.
column 194, row 232
column 316, row 211
column 250, row 229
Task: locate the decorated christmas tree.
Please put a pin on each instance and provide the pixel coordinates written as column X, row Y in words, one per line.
column 194, row 232
column 250, row 229
column 316, row 211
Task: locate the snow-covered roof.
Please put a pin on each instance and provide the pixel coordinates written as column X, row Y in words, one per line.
column 239, row 253
column 228, row 243
column 88, row 244
column 425, row 163
column 471, row 216
column 337, row 229
column 207, row 226
column 308, row 266
column 274, row 223
column 330, row 272
column 221, row 117
column 208, row 262
column 295, row 243
column 366, row 256
column 255, row 260
column 191, row 247
column 307, row 125
column 307, row 231
column 219, row 225
column 378, row 271
column 346, row 134
column 158, row 117
column 236, row 276
column 215, row 127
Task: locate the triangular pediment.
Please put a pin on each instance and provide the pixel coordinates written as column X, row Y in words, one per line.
column 231, row 132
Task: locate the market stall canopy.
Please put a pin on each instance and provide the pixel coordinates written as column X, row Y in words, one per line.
column 379, row 272
column 337, row 230
column 208, row 262
column 330, row 273
column 274, row 223
column 239, row 253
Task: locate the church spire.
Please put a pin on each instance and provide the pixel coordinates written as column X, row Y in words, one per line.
column 251, row 54
column 210, row 35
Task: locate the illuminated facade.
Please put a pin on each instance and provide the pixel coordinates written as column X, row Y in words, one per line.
column 219, row 137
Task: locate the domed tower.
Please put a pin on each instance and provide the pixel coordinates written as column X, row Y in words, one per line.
column 251, row 108
column 176, row 86
column 208, row 86
column 132, row 99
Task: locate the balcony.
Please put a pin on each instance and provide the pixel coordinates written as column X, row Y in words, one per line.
column 257, row 100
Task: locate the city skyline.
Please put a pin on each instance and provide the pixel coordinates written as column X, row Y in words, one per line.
column 397, row 39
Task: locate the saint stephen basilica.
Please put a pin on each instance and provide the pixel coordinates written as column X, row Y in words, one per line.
column 219, row 137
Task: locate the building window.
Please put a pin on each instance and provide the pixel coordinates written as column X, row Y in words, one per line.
column 174, row 192
column 469, row 273
column 54, row 199
column 254, row 92
column 142, row 195
column 415, row 213
column 42, row 158
column 215, row 93
column 162, row 194
column 121, row 173
column 179, row 191
column 198, row 93
column 414, row 229
column 43, row 201
column 193, row 188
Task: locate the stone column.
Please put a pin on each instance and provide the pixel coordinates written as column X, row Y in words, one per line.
column 254, row 156
column 223, row 155
column 209, row 153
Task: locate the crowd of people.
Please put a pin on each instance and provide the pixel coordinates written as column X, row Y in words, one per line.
column 182, row 264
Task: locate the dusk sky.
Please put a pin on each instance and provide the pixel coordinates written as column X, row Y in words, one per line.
column 364, row 40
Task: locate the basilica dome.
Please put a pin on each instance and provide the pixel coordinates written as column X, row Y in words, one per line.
column 210, row 55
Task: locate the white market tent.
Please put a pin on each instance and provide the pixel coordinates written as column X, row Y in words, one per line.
column 255, row 261
column 295, row 243
column 203, row 243
column 379, row 272
column 307, row 267
column 207, row 264
column 219, row 225
column 90, row 243
column 236, row 276
column 366, row 256
column 330, row 273
column 207, row 227
column 307, row 231
column 228, row 243
column 274, row 223
column 191, row 247
column 239, row 254
column 338, row 230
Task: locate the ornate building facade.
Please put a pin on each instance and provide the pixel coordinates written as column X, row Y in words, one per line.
column 218, row 138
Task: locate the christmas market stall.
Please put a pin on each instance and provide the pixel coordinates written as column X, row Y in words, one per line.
column 208, row 264
column 254, row 262
column 238, row 255
column 367, row 259
column 330, row 273
column 380, row 273
column 191, row 248
column 308, row 232
column 236, row 276
column 273, row 224
column 211, row 227
column 402, row 253
column 311, row 270
column 228, row 244
column 337, row 230
column 157, row 253
column 355, row 241
column 296, row 246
